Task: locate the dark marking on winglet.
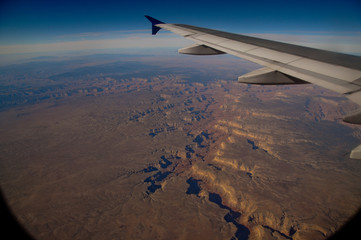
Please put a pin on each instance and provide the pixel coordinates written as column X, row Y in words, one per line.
column 154, row 22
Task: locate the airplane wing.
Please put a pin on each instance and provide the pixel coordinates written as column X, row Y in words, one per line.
column 284, row 63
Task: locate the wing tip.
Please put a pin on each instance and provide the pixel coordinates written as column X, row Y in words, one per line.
column 154, row 22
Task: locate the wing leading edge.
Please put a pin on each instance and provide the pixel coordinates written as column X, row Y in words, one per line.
column 284, row 63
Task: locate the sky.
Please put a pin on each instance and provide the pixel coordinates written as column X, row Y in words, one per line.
column 44, row 27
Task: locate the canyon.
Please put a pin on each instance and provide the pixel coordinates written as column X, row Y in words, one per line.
column 139, row 148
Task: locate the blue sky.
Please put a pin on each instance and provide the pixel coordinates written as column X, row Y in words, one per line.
column 64, row 22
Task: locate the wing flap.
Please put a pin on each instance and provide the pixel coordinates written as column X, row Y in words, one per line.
column 346, row 74
column 329, row 82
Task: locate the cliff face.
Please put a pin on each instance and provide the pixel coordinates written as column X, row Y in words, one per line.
column 134, row 153
column 279, row 170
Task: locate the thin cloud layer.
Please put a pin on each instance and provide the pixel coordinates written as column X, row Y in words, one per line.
column 139, row 41
column 103, row 34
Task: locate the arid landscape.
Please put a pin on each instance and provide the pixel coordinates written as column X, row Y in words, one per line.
column 143, row 147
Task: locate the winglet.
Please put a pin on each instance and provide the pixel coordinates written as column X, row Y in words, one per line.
column 154, row 22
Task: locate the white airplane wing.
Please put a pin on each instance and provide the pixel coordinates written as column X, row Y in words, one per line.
column 284, row 63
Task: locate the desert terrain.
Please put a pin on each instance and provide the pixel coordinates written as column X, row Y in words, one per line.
column 144, row 147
